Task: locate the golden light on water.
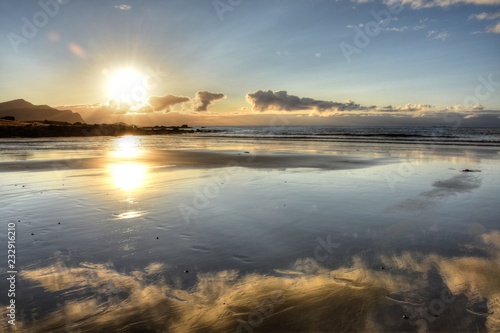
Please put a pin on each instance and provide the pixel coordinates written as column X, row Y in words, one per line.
column 129, row 215
column 128, row 176
column 127, row 147
column 126, row 172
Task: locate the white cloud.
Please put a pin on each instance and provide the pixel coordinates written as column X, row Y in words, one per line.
column 434, row 34
column 419, row 4
column 494, row 29
column 405, row 28
column 407, row 107
column 462, row 108
column 485, row 16
column 123, row 7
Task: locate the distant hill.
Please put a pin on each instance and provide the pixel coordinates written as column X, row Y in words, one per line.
column 23, row 110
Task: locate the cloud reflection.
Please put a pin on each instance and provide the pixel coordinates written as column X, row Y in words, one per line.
column 442, row 189
column 348, row 299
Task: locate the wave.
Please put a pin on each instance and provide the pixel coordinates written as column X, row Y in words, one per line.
column 471, row 136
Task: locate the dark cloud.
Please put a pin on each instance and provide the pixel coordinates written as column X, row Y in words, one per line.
column 161, row 103
column 281, row 101
column 203, row 99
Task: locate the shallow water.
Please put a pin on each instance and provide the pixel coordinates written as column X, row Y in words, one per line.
column 157, row 234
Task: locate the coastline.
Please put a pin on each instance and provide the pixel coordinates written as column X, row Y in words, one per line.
column 41, row 129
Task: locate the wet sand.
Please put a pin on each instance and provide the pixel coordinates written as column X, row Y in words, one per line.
column 202, row 159
column 231, row 237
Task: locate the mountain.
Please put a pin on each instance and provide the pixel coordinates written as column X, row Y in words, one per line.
column 23, row 110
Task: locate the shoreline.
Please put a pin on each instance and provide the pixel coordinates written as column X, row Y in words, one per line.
column 50, row 129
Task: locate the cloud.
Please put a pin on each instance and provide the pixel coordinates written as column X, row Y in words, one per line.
column 281, row 101
column 494, row 29
column 163, row 103
column 458, row 108
column 485, row 16
column 419, row 4
column 385, row 22
column 434, row 34
column 405, row 28
column 204, row 99
column 77, row 50
column 407, row 107
column 123, row 7
column 442, row 189
column 262, row 101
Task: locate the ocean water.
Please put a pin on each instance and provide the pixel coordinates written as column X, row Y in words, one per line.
column 433, row 135
column 239, row 231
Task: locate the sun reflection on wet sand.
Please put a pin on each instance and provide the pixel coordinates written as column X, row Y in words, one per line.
column 126, row 172
column 127, row 147
column 128, row 176
column 129, row 215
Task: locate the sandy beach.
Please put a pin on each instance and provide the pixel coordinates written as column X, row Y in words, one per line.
column 177, row 234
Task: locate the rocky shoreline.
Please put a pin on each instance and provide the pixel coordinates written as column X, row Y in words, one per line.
column 36, row 129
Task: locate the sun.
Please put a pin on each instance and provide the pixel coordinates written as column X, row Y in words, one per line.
column 126, row 85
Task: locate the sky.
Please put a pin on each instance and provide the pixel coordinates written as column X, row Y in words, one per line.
column 230, row 62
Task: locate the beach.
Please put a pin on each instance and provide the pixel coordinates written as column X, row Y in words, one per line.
column 246, row 233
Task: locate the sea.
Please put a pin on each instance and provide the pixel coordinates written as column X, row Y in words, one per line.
column 432, row 135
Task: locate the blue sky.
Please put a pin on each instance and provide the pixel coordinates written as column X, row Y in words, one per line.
column 431, row 54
